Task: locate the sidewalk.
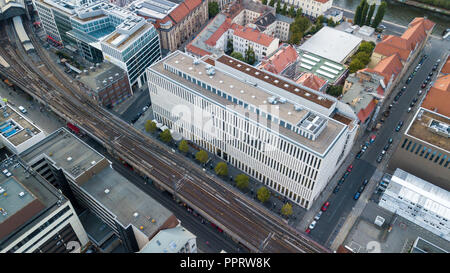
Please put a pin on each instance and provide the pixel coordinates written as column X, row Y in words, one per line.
column 123, row 106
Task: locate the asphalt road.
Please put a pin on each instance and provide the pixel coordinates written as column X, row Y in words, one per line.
column 136, row 108
column 341, row 204
column 209, row 239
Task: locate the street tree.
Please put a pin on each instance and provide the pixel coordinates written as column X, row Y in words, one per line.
column 263, row 194
column 272, row 3
column 286, row 210
column 221, row 169
column 370, row 14
column 380, row 14
column 358, row 13
column 278, row 7
column 284, row 10
column 291, row 12
column 201, row 156
column 150, row 126
column 365, row 9
column 264, row 2
column 242, row 181
column 213, row 9
column 183, row 146
column 166, row 136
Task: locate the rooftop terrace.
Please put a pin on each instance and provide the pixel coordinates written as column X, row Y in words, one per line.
column 15, row 127
column 420, row 128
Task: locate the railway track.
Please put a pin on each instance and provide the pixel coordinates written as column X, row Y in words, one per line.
column 243, row 219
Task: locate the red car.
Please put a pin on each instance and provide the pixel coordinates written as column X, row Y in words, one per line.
column 325, row 206
column 372, row 138
column 349, row 168
column 307, row 231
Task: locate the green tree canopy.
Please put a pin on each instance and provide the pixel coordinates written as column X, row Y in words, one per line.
column 229, row 46
column 263, row 194
column 250, row 57
column 380, row 14
column 366, row 47
column 358, row 13
column 335, row 90
column 369, row 15
column 363, row 57
column 291, row 12
column 365, row 9
column 298, row 12
column 213, row 9
column 166, row 136
column 272, row 3
column 286, row 210
column 278, row 7
column 221, row 169
column 355, row 65
column 264, row 2
column 284, row 10
column 201, row 156
column 237, row 55
column 242, row 181
column 183, row 146
column 150, row 126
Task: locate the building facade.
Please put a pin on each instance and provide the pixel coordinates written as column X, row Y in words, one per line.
column 280, row 137
column 313, row 8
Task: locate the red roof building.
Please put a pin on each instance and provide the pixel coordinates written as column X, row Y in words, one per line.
column 438, row 97
column 284, row 57
column 312, row 81
column 253, row 35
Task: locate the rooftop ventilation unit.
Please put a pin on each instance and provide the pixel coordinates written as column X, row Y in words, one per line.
column 272, row 100
column 282, row 100
column 106, row 191
column 69, row 158
column 297, row 108
column 135, row 214
column 196, row 61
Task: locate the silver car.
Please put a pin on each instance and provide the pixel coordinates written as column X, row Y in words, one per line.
column 317, row 217
column 312, row 225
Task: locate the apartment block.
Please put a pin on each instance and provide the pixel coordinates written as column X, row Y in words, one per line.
column 289, row 137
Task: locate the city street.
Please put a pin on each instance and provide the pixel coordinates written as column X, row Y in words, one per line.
column 341, row 204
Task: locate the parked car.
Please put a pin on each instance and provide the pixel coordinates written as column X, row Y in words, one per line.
column 359, row 154
column 423, row 85
column 409, row 109
column 307, row 231
column 386, row 147
column 346, row 174
column 397, row 97
column 383, row 152
column 325, row 206
column 414, row 99
column 431, row 74
column 399, row 126
column 372, row 138
column 390, row 106
column 434, row 67
column 349, row 168
column 341, row 181
column 361, row 189
column 312, row 225
column 365, row 182
column 317, row 217
column 336, row 189
column 356, row 197
column 390, row 140
column 403, row 88
column 409, row 79
column 386, row 113
column 428, row 79
column 412, row 104
column 420, row 92
column 379, row 158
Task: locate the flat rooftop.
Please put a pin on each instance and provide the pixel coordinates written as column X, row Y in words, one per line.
column 420, row 125
column 322, row 67
column 106, row 70
column 331, row 44
column 13, row 126
column 66, row 151
column 124, row 200
column 39, row 199
column 276, row 81
column 252, row 95
column 129, row 40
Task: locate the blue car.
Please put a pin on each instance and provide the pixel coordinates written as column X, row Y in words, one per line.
column 356, row 197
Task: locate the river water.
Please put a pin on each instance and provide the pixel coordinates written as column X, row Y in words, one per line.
column 402, row 14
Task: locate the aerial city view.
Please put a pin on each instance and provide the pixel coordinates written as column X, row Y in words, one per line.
column 219, row 126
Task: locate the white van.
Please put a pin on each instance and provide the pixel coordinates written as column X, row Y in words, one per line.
column 22, row 109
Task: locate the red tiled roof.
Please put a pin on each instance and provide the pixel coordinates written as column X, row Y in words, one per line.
column 219, row 32
column 322, row 1
column 253, row 35
column 196, row 51
column 428, row 24
column 414, row 35
column 364, row 113
column 280, row 60
column 312, row 81
column 438, row 96
column 393, row 44
column 183, row 9
column 446, row 68
column 388, row 66
column 380, row 90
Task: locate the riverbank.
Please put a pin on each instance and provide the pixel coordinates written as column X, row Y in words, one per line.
column 424, row 6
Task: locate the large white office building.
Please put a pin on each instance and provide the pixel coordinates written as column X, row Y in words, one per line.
column 287, row 136
column 418, row 201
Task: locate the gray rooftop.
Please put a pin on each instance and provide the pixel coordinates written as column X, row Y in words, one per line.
column 39, row 200
column 207, row 31
column 98, row 231
column 168, row 241
column 65, row 151
column 101, row 76
column 331, row 44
